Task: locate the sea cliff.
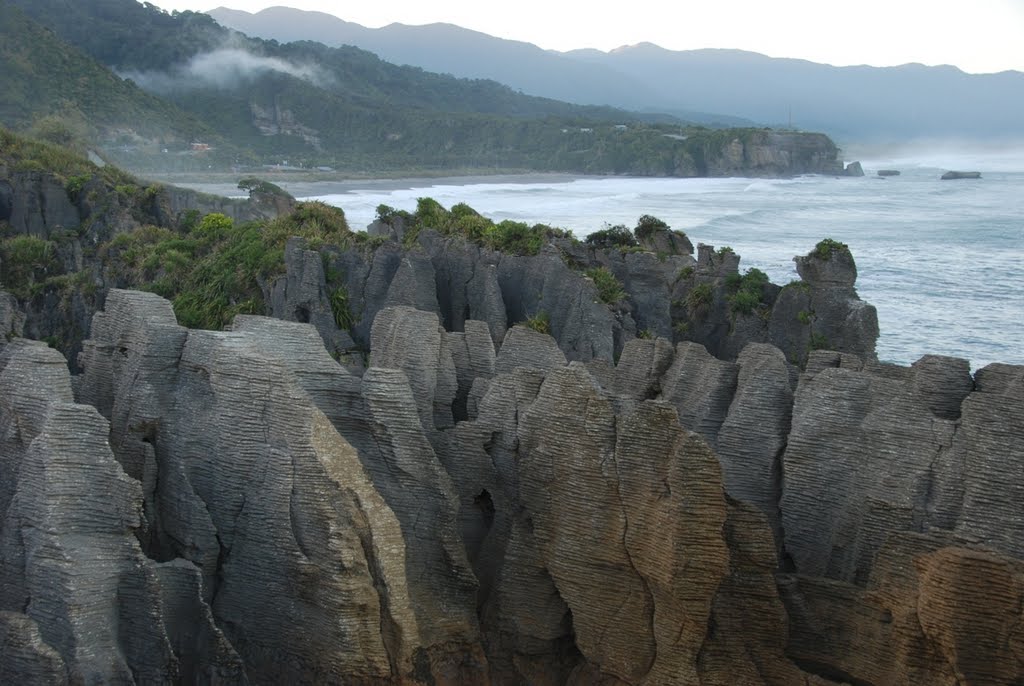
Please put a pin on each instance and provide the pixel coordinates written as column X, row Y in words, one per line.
column 455, row 452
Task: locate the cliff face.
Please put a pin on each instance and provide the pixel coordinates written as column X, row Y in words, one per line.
column 465, row 512
column 70, row 219
column 762, row 152
column 691, row 476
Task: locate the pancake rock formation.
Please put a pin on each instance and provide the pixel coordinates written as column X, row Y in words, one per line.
column 480, row 502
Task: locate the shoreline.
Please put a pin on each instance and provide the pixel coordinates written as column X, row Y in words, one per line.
column 227, row 184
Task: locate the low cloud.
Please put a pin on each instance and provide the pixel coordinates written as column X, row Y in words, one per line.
column 223, row 68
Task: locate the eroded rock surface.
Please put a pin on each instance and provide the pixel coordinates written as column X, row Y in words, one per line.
column 249, row 510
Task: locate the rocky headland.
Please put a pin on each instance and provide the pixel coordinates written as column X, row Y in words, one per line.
column 455, row 453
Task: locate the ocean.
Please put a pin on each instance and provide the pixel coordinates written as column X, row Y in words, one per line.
column 942, row 261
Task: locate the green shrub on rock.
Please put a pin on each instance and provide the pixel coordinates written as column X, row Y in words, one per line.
column 828, row 247
column 609, row 288
column 617, row 236
column 26, row 261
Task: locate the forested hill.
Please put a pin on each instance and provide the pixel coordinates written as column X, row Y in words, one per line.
column 48, row 83
column 308, row 105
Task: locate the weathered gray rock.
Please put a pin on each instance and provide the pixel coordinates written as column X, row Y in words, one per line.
column 474, row 357
column 365, row 276
column 835, row 270
column 641, row 367
column 582, row 325
column 412, row 340
column 31, row 377
column 12, row 320
column 934, row 612
column 840, row 320
column 771, row 153
column 68, row 556
column 302, row 296
column 467, row 283
column 640, row 609
column 853, row 169
column 324, row 561
column 701, row 388
column 39, row 205
column 414, row 284
column 951, row 175
column 524, row 347
column 648, row 279
column 294, row 562
column 991, row 438
column 752, row 437
column 24, row 656
column 667, row 242
column 878, row 451
column 204, row 654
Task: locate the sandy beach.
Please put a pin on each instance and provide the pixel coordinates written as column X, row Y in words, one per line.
column 227, row 185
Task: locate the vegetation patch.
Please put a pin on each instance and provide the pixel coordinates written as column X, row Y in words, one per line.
column 746, row 292
column 699, row 299
column 617, row 236
column 799, row 285
column 609, row 288
column 26, row 262
column 217, row 269
column 340, row 308
column 828, row 247
column 540, row 322
column 512, row 237
column 818, row 342
column 27, row 154
column 647, row 226
column 251, row 184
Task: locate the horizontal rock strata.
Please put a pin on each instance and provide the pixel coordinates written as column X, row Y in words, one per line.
column 476, row 508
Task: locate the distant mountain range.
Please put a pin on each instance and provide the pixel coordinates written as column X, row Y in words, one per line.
column 187, row 94
column 862, row 104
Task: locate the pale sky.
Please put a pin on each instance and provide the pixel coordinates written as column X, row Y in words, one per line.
column 979, row 36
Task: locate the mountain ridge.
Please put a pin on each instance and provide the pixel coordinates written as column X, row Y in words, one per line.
column 852, row 103
column 307, row 105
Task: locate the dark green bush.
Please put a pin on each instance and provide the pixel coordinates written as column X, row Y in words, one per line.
column 27, row 262
column 699, row 299
column 617, row 236
column 647, row 226
column 828, row 247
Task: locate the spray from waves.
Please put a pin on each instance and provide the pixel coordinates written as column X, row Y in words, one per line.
column 222, row 68
column 949, row 154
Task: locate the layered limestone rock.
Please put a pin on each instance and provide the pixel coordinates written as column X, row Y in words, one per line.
column 592, row 574
column 459, row 513
column 413, row 341
column 884, row 449
column 302, row 296
column 81, row 602
column 839, row 318
column 932, row 612
column 12, row 321
column 323, row 561
column 700, row 387
column 752, row 438
column 771, row 153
